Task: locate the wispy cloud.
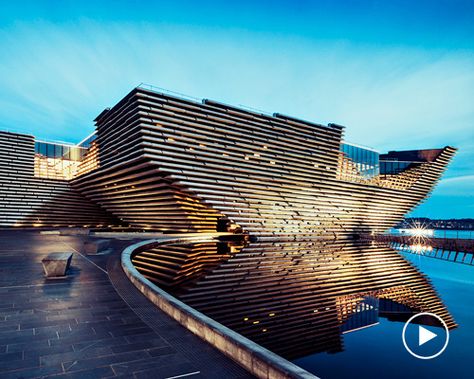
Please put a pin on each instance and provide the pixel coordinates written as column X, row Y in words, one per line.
column 62, row 74
column 457, row 186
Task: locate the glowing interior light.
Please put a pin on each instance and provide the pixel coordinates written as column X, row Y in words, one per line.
column 421, row 232
column 418, row 230
column 256, row 322
column 271, row 314
column 272, row 162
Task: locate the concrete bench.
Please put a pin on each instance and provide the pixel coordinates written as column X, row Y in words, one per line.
column 56, row 264
column 93, row 247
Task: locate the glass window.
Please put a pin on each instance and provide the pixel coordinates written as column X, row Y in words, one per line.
column 366, row 161
column 75, row 154
column 41, row 148
column 49, row 150
column 58, row 153
column 66, row 152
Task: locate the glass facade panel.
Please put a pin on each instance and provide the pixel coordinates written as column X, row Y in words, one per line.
column 88, row 140
column 393, row 167
column 57, row 161
column 66, row 152
column 365, row 160
column 50, row 150
column 58, row 152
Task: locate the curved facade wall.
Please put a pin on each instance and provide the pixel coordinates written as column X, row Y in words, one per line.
column 173, row 165
column 177, row 165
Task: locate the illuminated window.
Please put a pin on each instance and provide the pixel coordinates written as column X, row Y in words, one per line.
column 61, row 161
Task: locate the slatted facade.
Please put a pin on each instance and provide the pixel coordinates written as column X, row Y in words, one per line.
column 30, row 201
column 164, row 163
column 295, row 297
column 180, row 266
column 178, row 166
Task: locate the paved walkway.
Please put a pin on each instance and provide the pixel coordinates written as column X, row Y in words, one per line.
column 93, row 324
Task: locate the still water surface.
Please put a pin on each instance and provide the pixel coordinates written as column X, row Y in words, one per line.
column 378, row 352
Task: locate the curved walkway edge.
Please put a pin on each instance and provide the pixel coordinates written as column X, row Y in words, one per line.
column 256, row 359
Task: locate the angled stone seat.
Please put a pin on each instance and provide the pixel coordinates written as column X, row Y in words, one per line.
column 93, row 247
column 56, row 264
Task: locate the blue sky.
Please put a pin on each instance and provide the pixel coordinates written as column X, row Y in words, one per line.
column 398, row 74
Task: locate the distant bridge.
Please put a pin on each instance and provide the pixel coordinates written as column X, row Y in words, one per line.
column 451, row 249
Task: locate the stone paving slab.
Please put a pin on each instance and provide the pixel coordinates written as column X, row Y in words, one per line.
column 81, row 326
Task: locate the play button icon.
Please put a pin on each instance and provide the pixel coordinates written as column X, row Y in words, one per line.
column 425, row 335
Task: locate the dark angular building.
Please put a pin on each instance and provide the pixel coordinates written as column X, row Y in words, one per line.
column 166, row 163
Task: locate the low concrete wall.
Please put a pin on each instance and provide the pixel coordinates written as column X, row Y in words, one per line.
column 253, row 357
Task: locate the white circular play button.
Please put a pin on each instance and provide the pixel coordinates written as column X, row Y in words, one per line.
column 424, row 335
column 425, row 341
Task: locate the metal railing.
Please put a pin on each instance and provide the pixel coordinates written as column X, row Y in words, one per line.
column 165, row 91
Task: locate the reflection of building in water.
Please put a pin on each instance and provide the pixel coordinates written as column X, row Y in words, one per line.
column 297, row 298
column 356, row 312
column 178, row 266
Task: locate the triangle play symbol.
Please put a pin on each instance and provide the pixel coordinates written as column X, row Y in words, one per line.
column 424, row 335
